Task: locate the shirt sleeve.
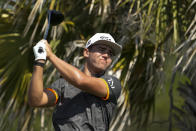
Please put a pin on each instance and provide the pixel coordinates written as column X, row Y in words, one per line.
column 57, row 88
column 113, row 87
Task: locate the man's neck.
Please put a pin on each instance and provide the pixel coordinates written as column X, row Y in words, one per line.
column 92, row 73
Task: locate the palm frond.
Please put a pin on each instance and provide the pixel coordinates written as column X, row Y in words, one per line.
column 187, row 114
column 143, row 68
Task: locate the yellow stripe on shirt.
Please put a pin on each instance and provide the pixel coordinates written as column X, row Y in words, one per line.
column 108, row 91
column 54, row 92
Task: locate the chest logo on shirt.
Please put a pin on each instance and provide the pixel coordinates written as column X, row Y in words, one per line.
column 111, row 83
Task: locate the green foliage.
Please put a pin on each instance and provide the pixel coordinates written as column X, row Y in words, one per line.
column 186, row 115
column 156, row 29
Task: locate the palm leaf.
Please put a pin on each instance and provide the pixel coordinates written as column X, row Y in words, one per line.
column 187, row 119
column 144, row 71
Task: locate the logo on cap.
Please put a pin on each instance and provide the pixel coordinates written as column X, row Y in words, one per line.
column 105, row 38
column 89, row 42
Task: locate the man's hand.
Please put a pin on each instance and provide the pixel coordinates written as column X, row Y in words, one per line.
column 49, row 52
column 37, row 95
column 40, row 50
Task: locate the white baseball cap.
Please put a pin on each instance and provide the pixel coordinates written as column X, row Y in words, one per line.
column 104, row 38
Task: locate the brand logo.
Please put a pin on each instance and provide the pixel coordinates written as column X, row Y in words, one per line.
column 111, row 83
column 105, row 38
column 40, row 50
column 88, row 43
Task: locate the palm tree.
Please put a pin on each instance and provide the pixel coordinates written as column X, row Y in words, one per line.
column 186, row 115
column 149, row 31
column 157, row 29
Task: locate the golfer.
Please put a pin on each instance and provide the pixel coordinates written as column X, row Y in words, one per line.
column 85, row 100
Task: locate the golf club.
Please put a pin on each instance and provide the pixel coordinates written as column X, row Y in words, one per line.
column 54, row 18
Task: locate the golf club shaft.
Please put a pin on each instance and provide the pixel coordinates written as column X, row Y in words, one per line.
column 47, row 29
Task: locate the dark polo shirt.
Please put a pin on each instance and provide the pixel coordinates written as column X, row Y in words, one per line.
column 77, row 110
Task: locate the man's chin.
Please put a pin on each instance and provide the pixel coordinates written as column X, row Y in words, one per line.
column 103, row 69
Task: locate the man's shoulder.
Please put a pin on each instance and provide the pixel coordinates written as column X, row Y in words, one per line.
column 114, row 85
column 112, row 81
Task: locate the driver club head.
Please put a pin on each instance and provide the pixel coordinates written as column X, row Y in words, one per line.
column 55, row 17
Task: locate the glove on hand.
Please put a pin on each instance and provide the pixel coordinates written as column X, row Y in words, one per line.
column 40, row 51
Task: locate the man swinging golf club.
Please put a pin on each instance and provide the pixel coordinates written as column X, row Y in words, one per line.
column 85, row 100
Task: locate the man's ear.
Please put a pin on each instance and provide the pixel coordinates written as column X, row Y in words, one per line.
column 86, row 52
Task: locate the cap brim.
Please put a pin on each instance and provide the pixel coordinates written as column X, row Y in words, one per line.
column 115, row 47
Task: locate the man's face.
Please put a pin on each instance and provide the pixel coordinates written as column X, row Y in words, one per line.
column 99, row 57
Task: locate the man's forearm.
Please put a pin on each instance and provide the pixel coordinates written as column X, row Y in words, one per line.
column 35, row 91
column 69, row 72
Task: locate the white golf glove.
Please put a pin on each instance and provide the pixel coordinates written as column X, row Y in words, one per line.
column 40, row 50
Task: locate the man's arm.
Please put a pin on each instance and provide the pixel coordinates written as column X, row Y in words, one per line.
column 37, row 96
column 92, row 85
